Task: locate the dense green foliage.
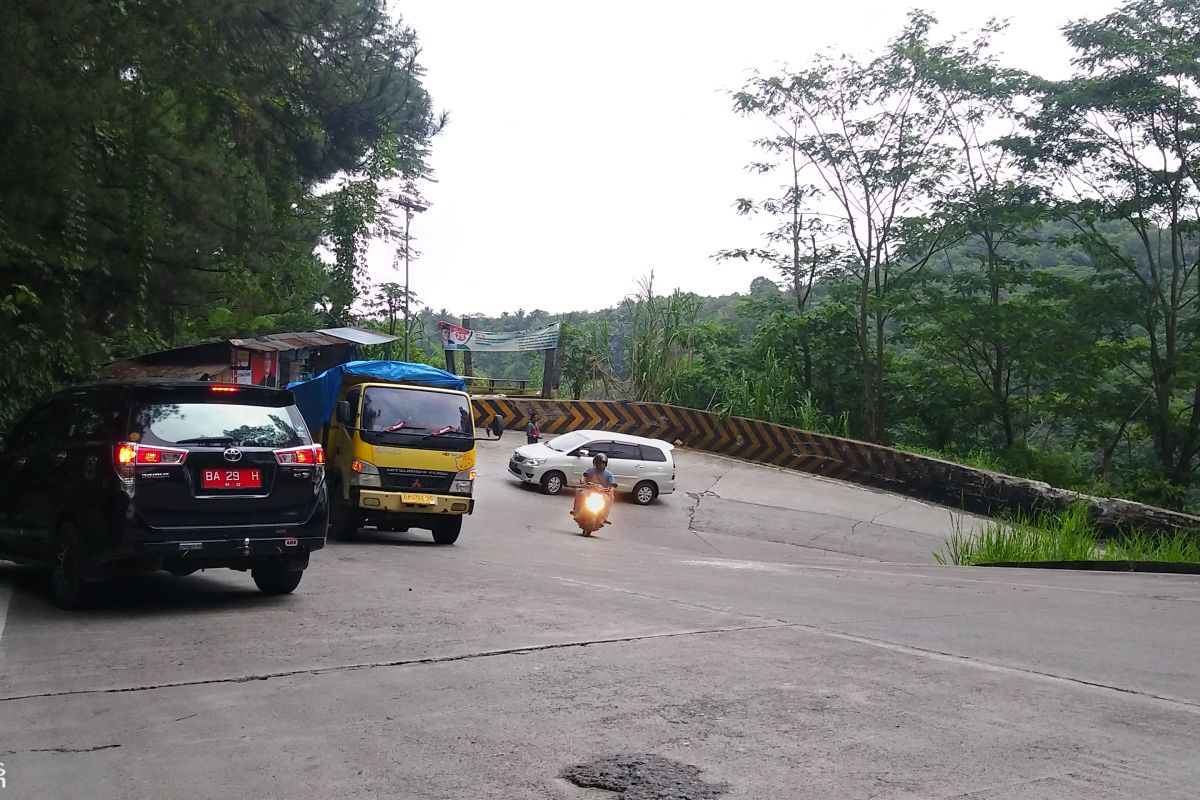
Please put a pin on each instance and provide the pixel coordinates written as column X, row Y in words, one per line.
column 1066, row 536
column 171, row 168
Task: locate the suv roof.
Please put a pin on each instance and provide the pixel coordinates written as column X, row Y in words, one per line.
column 139, row 386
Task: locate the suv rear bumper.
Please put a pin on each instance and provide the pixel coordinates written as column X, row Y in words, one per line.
column 139, row 548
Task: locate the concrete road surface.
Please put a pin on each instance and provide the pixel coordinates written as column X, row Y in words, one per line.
column 758, row 635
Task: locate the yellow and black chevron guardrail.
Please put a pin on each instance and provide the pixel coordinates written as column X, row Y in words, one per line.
column 863, row 463
column 748, row 439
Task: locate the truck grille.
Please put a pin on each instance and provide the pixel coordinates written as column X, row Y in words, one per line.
column 420, row 479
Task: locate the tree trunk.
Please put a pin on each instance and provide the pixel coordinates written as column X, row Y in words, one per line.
column 864, row 347
column 879, row 435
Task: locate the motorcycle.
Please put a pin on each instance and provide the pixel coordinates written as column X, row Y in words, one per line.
column 593, row 511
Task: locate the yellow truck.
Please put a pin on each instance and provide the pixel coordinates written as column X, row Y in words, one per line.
column 400, row 446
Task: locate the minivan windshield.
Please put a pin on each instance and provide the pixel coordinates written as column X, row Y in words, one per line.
column 568, row 441
column 402, row 411
column 219, row 424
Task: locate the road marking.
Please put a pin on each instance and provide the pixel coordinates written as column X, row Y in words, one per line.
column 948, row 576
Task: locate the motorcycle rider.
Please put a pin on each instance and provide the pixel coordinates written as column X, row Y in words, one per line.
column 598, row 476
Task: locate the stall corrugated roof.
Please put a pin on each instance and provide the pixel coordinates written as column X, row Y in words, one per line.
column 359, row 336
column 278, row 342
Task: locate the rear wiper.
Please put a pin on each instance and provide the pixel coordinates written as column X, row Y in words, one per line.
column 207, row 440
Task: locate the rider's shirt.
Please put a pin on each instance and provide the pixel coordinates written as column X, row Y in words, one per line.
column 599, row 476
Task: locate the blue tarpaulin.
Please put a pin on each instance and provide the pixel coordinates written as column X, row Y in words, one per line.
column 316, row 398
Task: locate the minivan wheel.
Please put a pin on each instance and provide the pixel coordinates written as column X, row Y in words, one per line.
column 446, row 531
column 273, row 579
column 644, row 493
column 68, row 588
column 552, row 482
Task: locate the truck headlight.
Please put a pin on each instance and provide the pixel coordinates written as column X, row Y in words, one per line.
column 364, row 475
column 463, row 482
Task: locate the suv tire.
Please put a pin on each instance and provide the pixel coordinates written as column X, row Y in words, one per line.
column 553, row 482
column 68, row 587
column 644, row 493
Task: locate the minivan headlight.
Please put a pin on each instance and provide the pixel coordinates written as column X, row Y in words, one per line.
column 464, row 482
column 534, row 462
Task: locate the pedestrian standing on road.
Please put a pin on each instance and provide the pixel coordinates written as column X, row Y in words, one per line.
column 533, row 434
column 497, row 426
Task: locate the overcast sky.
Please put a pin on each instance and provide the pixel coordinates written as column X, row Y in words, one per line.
column 590, row 143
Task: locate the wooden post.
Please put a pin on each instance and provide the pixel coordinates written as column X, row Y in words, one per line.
column 450, row 362
column 467, row 367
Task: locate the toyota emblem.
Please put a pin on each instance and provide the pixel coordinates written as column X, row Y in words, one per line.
column 233, row 455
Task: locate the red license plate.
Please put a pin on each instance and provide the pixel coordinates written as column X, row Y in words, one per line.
column 231, row 479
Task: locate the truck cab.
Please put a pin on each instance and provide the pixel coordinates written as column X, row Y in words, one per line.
column 401, row 452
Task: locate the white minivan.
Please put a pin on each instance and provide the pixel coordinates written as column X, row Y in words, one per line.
column 644, row 468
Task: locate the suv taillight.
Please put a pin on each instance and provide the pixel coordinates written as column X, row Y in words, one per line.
column 129, row 455
column 298, row 456
column 313, row 455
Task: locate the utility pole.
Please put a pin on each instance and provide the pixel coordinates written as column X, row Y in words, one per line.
column 410, row 207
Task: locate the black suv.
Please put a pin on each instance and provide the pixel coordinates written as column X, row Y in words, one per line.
column 110, row 479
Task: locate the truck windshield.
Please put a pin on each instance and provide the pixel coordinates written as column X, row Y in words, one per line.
column 412, row 411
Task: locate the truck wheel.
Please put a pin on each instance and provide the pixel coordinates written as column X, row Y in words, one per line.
column 446, row 531
column 68, row 588
column 553, row 482
column 343, row 521
column 273, row 579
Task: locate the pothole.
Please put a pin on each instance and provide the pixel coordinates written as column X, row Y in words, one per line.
column 644, row 776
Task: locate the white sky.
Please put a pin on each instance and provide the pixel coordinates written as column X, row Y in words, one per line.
column 590, row 143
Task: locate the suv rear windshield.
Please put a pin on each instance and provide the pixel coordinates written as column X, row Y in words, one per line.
column 222, row 423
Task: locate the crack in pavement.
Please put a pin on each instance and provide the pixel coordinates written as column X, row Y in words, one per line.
column 1177, row 703
column 696, row 507
column 63, row 750
column 406, row 662
column 854, row 529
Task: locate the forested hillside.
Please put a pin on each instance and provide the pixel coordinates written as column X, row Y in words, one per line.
column 168, row 172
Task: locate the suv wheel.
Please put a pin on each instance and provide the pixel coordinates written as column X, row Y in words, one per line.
column 273, row 579
column 446, row 531
column 644, row 493
column 553, row 482
column 68, row 588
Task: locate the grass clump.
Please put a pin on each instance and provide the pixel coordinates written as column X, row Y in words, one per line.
column 1063, row 536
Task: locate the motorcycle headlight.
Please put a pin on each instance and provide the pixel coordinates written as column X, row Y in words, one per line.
column 594, row 502
column 364, row 475
column 464, row 482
